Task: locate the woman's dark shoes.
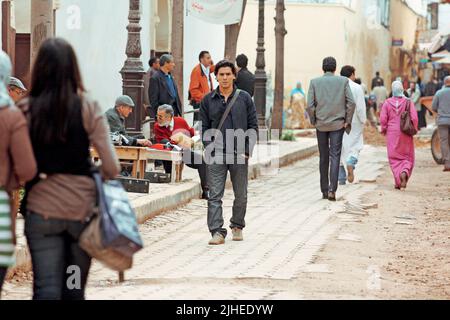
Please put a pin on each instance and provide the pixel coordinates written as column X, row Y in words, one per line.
column 332, row 196
column 447, row 170
column 325, row 196
column 404, row 180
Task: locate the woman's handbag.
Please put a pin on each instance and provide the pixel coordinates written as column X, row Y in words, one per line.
column 112, row 236
column 406, row 124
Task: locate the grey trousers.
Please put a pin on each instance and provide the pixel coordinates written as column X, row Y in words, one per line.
column 217, row 177
column 444, row 133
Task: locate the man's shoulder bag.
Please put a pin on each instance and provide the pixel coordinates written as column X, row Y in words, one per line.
column 228, row 110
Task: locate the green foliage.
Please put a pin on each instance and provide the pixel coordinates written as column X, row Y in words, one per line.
column 288, row 136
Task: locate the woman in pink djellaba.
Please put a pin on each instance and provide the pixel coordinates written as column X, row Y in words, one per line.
column 400, row 146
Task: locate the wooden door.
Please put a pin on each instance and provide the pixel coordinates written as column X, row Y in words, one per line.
column 22, row 66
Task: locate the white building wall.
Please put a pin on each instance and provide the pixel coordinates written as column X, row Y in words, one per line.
column 198, row 36
column 444, row 18
column 97, row 30
column 22, row 12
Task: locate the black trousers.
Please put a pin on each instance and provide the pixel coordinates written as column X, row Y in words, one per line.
column 3, row 271
column 195, row 161
column 330, row 148
column 196, row 107
column 60, row 266
column 422, row 114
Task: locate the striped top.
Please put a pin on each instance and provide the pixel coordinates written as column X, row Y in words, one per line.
column 6, row 237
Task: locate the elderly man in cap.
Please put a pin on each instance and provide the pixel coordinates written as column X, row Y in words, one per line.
column 16, row 89
column 116, row 120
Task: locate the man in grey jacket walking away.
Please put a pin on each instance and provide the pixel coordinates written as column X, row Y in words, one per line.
column 441, row 105
column 330, row 107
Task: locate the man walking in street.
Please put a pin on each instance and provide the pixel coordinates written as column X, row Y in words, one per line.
column 116, row 119
column 201, row 82
column 330, row 106
column 228, row 115
column 245, row 79
column 377, row 81
column 381, row 94
column 353, row 142
column 154, row 67
column 163, row 88
column 441, row 105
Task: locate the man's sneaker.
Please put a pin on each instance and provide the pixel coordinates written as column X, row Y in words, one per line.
column 217, row 239
column 237, row 234
column 351, row 174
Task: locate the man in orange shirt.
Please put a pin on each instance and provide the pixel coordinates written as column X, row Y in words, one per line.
column 201, row 81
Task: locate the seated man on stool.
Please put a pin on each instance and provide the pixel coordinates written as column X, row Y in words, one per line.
column 116, row 119
column 168, row 126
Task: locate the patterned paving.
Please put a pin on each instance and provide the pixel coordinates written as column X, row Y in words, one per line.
column 287, row 221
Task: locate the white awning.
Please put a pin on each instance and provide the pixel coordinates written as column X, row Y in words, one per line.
column 223, row 12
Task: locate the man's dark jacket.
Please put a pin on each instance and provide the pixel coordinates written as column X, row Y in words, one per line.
column 377, row 82
column 117, row 124
column 430, row 89
column 159, row 94
column 242, row 116
column 246, row 81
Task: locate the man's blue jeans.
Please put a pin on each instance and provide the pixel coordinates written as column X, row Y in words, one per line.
column 217, row 177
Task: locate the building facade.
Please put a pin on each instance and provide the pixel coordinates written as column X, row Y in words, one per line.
column 356, row 32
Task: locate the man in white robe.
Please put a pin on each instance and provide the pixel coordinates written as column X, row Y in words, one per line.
column 353, row 143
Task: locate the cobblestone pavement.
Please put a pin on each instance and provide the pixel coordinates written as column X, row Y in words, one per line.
column 288, row 224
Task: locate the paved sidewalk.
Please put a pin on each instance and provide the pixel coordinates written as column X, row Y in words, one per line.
column 288, row 224
column 164, row 197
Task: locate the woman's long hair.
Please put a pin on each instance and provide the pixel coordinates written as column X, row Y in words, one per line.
column 55, row 87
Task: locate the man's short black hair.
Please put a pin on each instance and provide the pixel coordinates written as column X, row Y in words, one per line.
column 329, row 64
column 347, row 71
column 225, row 64
column 377, row 73
column 152, row 61
column 202, row 55
column 242, row 61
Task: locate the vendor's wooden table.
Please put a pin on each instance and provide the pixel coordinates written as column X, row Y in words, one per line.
column 139, row 157
column 427, row 102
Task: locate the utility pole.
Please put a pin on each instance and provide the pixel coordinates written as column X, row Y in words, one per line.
column 260, row 73
column 280, row 33
column 232, row 35
column 177, row 45
column 133, row 69
column 42, row 24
